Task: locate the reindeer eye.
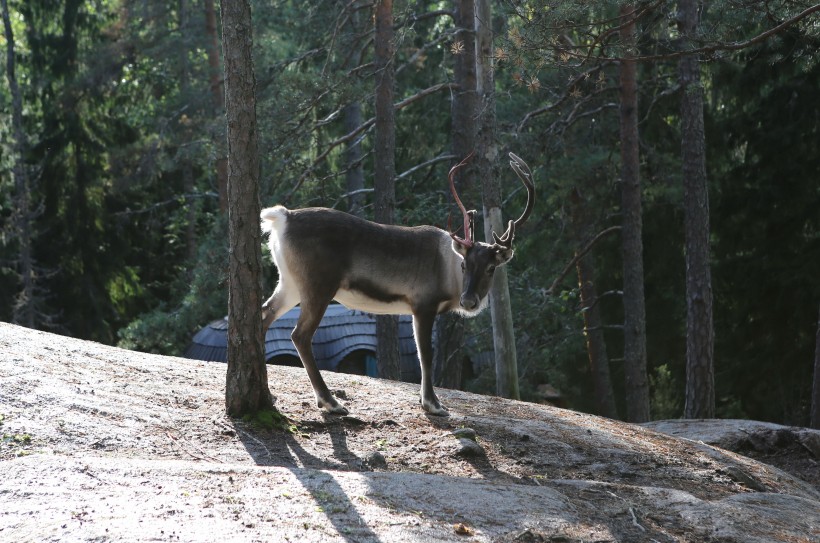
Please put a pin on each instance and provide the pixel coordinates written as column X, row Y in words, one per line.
column 463, row 266
column 490, row 270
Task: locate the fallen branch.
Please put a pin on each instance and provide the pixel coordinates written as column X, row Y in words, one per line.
column 635, row 520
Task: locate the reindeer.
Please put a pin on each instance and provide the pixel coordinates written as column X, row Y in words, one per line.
column 323, row 255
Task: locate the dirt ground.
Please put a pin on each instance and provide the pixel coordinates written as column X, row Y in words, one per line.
column 110, row 445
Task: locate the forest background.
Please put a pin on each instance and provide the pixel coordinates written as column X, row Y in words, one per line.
column 112, row 173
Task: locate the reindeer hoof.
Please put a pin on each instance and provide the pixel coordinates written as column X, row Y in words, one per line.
column 435, row 409
column 333, row 408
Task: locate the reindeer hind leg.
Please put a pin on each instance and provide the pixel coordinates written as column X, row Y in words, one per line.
column 283, row 299
column 312, row 311
column 275, row 307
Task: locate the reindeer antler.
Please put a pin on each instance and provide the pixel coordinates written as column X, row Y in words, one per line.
column 525, row 175
column 469, row 235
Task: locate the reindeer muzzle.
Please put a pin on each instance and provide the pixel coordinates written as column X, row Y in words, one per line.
column 469, row 301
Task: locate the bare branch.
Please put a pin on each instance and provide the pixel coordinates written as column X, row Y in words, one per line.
column 561, row 99
column 604, row 327
column 444, row 36
column 582, row 76
column 424, row 93
column 578, row 256
column 600, row 296
column 349, row 194
column 171, row 201
column 732, row 46
column 364, row 126
column 657, row 97
column 430, row 162
column 426, row 15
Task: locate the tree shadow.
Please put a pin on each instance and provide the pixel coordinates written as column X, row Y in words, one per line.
column 415, row 492
column 282, row 449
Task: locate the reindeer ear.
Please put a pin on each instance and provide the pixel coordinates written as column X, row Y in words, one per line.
column 460, row 249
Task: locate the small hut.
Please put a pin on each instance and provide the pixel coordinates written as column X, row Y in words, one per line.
column 345, row 342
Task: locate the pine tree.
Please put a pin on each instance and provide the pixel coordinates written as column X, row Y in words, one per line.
column 247, row 381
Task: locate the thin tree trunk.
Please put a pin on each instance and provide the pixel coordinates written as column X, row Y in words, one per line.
column 448, row 359
column 506, row 366
column 815, row 389
column 247, row 380
column 24, row 307
column 448, row 347
column 354, row 178
column 191, row 215
column 387, row 326
column 464, row 106
column 637, row 383
column 593, row 324
column 700, row 380
column 218, row 100
column 187, row 166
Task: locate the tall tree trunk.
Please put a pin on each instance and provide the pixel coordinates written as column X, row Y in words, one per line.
column 24, row 307
column 637, row 383
column 815, row 389
column 700, row 379
column 387, row 326
column 593, row 324
column 448, row 351
column 218, row 100
column 247, row 379
column 354, row 176
column 187, row 166
column 448, row 359
column 506, row 366
column 464, row 106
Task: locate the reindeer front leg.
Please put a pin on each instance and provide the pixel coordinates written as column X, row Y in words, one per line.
column 423, row 331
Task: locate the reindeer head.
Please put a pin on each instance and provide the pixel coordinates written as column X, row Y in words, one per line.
column 479, row 259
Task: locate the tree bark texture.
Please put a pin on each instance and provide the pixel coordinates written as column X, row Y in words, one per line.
column 354, row 177
column 506, row 365
column 464, row 108
column 448, row 358
column 353, row 156
column 387, row 326
column 815, row 389
column 637, row 382
column 187, row 165
column 24, row 312
column 593, row 324
column 700, row 385
column 247, row 381
column 448, row 346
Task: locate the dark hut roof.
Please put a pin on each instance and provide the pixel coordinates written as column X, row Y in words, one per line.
column 210, row 343
column 341, row 332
